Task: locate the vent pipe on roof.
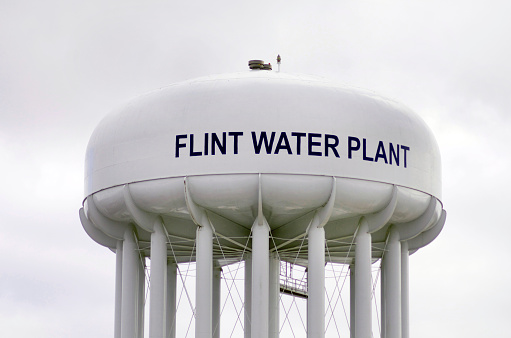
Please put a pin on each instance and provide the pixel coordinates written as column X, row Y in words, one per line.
column 259, row 64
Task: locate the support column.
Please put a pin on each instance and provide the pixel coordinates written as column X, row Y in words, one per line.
column 363, row 314
column 118, row 289
column 171, row 300
column 274, row 296
column 217, row 289
column 158, row 280
column 352, row 300
column 383, row 301
column 248, row 295
column 405, row 291
column 392, row 291
column 204, row 282
column 316, row 283
column 129, row 292
column 260, row 280
column 141, row 296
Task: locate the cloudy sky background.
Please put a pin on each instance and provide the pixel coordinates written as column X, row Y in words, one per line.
column 65, row 64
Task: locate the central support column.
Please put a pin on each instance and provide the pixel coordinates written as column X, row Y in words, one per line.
column 274, row 297
column 130, row 263
column 158, row 282
column 204, row 282
column 363, row 314
column 392, row 290
column 260, row 279
column 316, row 283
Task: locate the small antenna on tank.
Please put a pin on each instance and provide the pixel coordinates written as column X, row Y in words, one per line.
column 278, row 63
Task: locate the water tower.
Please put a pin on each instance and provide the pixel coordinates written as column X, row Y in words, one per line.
column 265, row 167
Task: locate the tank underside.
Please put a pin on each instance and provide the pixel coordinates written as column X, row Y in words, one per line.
column 230, row 202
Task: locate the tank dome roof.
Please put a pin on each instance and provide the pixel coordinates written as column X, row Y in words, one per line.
column 263, row 122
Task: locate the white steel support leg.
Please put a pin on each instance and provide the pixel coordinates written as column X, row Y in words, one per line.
column 363, row 291
column 129, row 301
column 204, row 282
column 316, row 283
column 217, row 289
column 171, row 300
column 248, row 295
column 118, row 289
column 405, row 291
column 352, row 301
column 393, row 286
column 141, row 296
column 274, row 297
column 158, row 280
column 260, row 280
column 383, row 302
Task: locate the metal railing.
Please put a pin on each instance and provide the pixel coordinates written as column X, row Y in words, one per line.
column 289, row 283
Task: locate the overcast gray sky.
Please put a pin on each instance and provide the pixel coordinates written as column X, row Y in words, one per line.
column 65, row 64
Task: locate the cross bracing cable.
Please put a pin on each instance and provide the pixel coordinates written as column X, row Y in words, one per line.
column 332, row 309
column 294, row 261
column 183, row 281
column 337, row 285
column 229, row 288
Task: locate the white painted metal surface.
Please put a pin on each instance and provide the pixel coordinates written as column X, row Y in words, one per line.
column 392, row 289
column 405, row 291
column 204, row 282
column 141, row 296
column 316, row 282
column 171, row 299
column 217, row 306
column 248, row 297
column 260, row 280
column 321, row 128
column 130, row 281
column 352, row 300
column 118, row 290
column 363, row 319
column 157, row 311
column 274, row 297
column 242, row 157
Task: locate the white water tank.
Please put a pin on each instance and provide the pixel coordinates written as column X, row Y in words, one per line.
column 290, row 153
column 297, row 132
